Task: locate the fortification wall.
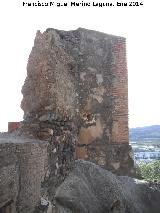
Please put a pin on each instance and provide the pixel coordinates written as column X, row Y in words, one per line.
column 22, row 170
column 75, row 101
column 76, row 97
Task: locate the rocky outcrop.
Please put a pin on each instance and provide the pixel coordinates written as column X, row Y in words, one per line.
column 28, row 186
column 91, row 189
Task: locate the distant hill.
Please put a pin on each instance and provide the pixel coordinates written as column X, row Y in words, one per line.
column 147, row 133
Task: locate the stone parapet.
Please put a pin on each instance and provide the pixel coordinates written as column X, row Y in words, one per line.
column 22, row 170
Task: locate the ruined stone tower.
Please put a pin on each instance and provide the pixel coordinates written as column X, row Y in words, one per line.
column 75, row 103
column 76, row 97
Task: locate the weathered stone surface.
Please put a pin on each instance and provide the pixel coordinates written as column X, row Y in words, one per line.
column 23, row 164
column 79, row 72
column 49, row 80
column 75, row 101
column 90, row 189
column 117, row 158
column 75, row 96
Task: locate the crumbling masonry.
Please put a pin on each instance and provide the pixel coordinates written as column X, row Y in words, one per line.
column 75, row 99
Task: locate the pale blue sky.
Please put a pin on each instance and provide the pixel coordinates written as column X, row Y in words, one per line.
column 140, row 25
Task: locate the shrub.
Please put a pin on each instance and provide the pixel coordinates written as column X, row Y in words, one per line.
column 150, row 171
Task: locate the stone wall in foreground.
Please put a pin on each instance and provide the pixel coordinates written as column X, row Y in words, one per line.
column 76, row 97
column 23, row 166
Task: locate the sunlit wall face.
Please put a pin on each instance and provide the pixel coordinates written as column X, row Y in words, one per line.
column 138, row 24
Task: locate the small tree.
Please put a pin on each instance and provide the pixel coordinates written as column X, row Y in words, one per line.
column 150, row 171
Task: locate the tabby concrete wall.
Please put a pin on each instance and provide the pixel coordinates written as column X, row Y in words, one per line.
column 22, row 169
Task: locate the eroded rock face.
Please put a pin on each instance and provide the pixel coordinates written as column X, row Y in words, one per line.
column 91, row 189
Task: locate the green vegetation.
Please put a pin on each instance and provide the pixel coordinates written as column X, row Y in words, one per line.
column 150, row 171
